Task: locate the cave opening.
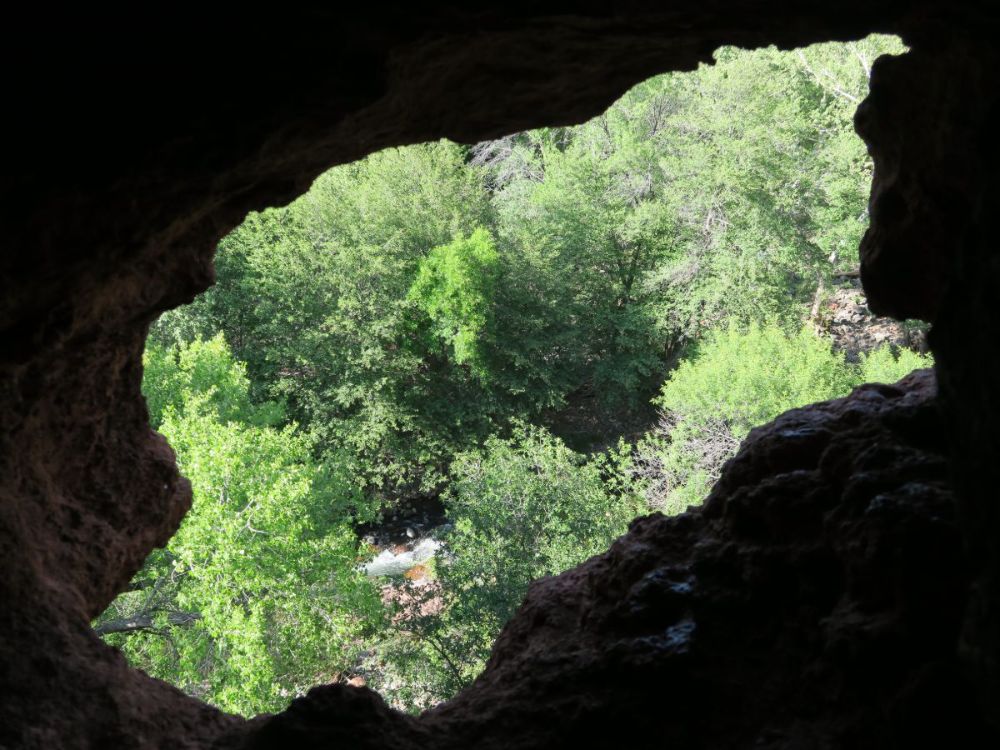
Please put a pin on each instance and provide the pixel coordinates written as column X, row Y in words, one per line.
column 447, row 370
column 838, row 588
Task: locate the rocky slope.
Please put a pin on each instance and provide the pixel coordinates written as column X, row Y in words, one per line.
column 854, row 329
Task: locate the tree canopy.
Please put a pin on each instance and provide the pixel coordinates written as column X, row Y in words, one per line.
column 257, row 596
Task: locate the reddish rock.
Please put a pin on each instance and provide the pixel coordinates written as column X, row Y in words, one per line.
column 416, row 573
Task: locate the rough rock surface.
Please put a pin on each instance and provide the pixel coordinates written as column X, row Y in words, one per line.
column 931, row 253
column 854, row 329
column 814, row 602
column 132, row 143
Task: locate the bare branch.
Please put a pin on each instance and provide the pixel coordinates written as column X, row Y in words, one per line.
column 144, row 621
column 863, row 60
column 444, row 655
column 833, row 84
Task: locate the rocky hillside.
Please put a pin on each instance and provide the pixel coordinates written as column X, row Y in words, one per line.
column 855, row 329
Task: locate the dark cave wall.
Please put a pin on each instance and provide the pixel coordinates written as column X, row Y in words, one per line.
column 965, row 345
column 128, row 155
column 931, row 253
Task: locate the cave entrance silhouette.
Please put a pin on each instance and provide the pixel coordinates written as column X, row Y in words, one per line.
column 853, row 543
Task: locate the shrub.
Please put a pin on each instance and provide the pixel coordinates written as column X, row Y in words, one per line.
column 736, row 379
column 887, row 364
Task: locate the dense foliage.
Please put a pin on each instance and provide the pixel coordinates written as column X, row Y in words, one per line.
column 442, row 321
column 414, row 303
column 734, row 380
column 257, row 596
column 520, row 508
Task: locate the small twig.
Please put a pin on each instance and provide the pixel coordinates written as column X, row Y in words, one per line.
column 444, row 655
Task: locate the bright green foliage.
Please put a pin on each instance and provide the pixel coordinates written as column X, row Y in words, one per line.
column 885, row 365
column 175, row 375
column 258, row 594
column 522, row 508
column 455, row 286
column 748, row 377
column 737, row 379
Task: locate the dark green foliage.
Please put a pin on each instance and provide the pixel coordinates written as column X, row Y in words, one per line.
column 520, row 509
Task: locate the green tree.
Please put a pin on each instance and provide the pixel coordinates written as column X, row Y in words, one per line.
column 456, row 286
column 734, row 192
column 314, row 298
column 747, row 377
column 888, row 365
column 521, row 508
column 174, row 375
column 258, row 594
column 585, row 229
